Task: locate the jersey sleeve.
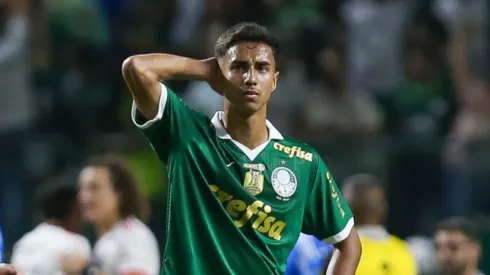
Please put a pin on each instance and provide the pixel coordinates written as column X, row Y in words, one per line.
column 140, row 254
column 327, row 216
column 174, row 124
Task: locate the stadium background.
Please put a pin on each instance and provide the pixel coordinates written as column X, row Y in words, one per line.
column 395, row 108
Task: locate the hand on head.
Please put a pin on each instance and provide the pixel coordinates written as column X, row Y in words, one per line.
column 216, row 79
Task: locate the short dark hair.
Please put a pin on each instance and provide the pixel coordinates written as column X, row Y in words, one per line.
column 56, row 200
column 463, row 225
column 245, row 32
column 131, row 201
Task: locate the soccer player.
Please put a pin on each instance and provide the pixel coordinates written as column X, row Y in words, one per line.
column 382, row 253
column 51, row 246
column 458, row 247
column 310, row 256
column 239, row 191
column 111, row 201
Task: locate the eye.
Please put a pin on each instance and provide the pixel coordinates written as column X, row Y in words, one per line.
column 238, row 67
column 263, row 68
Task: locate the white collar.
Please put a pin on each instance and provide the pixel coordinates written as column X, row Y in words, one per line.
column 377, row 232
column 223, row 134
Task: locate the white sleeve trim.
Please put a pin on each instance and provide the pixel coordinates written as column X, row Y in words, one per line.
column 161, row 107
column 342, row 235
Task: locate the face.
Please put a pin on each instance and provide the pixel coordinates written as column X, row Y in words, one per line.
column 98, row 199
column 455, row 252
column 333, row 66
column 420, row 56
column 250, row 69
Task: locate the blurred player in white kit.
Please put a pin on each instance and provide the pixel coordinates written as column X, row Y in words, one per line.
column 111, row 201
column 54, row 247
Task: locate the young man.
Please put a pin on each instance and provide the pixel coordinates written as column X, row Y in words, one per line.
column 239, row 192
column 53, row 247
column 383, row 253
column 458, row 247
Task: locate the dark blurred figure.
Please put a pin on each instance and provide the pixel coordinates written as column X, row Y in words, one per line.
column 53, row 247
column 382, row 253
column 341, row 121
column 458, row 247
column 467, row 159
column 16, row 114
column 418, row 115
column 332, row 110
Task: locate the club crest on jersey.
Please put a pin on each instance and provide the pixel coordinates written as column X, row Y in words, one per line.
column 284, row 182
column 254, row 178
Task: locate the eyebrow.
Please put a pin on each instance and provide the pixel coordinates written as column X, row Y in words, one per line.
column 260, row 62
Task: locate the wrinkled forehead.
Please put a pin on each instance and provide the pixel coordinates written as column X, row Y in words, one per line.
column 250, row 52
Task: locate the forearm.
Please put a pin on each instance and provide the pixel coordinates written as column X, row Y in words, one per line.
column 143, row 73
column 349, row 255
column 346, row 264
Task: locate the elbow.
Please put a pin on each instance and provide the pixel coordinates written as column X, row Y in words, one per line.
column 133, row 65
column 137, row 73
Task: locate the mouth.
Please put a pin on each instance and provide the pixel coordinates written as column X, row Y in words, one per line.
column 250, row 94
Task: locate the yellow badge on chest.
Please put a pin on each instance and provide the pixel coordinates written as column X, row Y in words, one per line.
column 254, row 178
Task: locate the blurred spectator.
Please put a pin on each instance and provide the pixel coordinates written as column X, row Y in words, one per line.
column 418, row 113
column 310, row 256
column 376, row 36
column 53, row 247
column 467, row 152
column 458, row 247
column 336, row 119
column 424, row 252
column 16, row 114
column 198, row 94
column 382, row 253
column 112, row 202
column 331, row 110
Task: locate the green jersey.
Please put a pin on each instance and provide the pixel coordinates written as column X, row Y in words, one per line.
column 235, row 210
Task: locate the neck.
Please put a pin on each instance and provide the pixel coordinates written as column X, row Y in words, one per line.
column 55, row 222
column 249, row 130
column 102, row 227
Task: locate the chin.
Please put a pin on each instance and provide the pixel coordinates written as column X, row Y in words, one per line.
column 248, row 108
column 89, row 217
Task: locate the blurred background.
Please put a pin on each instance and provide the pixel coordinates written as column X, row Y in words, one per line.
column 399, row 89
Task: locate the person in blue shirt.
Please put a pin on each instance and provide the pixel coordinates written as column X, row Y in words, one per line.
column 310, row 256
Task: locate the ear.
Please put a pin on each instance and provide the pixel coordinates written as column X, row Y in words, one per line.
column 274, row 82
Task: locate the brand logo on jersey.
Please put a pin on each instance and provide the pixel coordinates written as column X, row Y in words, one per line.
column 254, row 178
column 257, row 215
column 294, row 151
column 335, row 195
column 284, row 182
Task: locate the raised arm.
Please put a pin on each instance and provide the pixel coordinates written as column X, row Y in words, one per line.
column 143, row 74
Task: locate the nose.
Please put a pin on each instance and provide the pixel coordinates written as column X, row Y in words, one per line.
column 251, row 78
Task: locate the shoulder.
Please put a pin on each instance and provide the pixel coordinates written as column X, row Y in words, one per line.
column 134, row 231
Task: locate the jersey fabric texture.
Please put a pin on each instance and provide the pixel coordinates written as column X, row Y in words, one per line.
column 235, row 210
column 384, row 254
column 309, row 256
column 38, row 252
column 129, row 246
